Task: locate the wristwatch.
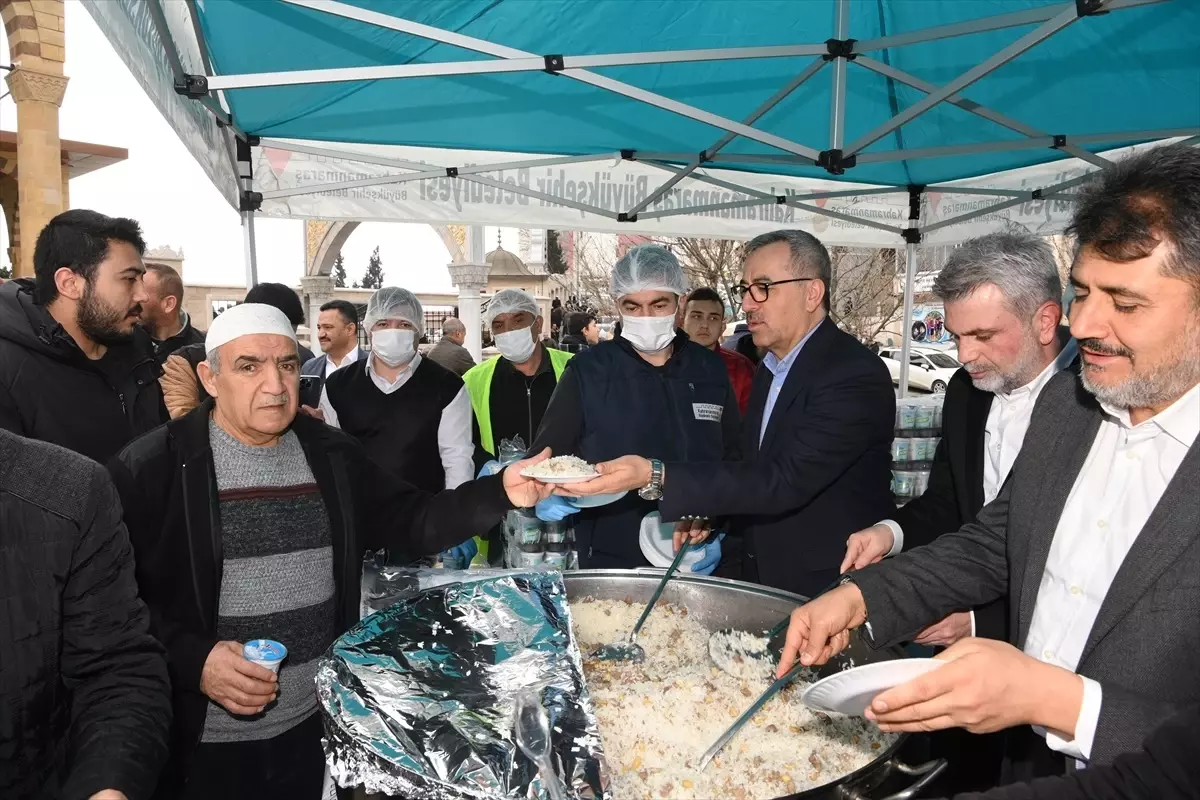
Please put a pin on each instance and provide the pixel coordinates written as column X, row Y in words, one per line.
column 653, row 489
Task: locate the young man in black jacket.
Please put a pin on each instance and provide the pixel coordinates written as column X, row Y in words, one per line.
column 76, row 370
column 250, row 522
column 85, row 705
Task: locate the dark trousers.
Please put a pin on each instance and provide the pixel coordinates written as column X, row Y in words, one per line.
column 289, row 767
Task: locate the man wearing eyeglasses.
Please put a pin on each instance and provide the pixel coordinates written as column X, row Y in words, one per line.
column 816, row 440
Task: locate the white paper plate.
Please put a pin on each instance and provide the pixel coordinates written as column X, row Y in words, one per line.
column 560, row 478
column 851, row 691
column 597, row 500
column 658, row 546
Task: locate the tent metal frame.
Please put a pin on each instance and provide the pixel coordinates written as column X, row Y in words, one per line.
column 840, row 51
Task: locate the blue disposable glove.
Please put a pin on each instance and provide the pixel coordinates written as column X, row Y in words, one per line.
column 555, row 509
column 459, row 557
column 490, row 468
column 711, row 556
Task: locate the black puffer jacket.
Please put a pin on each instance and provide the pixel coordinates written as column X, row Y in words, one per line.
column 85, row 704
column 49, row 390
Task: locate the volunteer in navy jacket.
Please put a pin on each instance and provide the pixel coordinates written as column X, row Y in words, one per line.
column 650, row 391
column 816, row 441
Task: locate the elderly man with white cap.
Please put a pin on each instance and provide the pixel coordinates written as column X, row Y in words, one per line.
column 652, row 392
column 250, row 522
column 410, row 413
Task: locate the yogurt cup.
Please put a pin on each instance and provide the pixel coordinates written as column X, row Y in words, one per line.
column 265, row 652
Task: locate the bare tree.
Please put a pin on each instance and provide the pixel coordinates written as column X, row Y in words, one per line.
column 715, row 263
column 867, row 296
column 592, row 268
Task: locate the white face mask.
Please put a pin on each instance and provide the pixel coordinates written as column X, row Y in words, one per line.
column 648, row 334
column 394, row 346
column 516, row 346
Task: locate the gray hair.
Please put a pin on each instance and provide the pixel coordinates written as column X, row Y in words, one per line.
column 809, row 258
column 214, row 361
column 453, row 326
column 1019, row 264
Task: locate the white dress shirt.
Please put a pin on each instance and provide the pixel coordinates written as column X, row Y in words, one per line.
column 454, row 430
column 350, row 358
column 1003, row 433
column 1125, row 474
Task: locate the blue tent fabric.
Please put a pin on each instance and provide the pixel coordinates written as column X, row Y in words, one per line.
column 1131, row 69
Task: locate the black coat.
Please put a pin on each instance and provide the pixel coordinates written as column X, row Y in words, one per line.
column 84, row 697
column 823, row 470
column 186, row 336
column 49, row 390
column 169, row 490
column 1166, row 768
column 955, row 492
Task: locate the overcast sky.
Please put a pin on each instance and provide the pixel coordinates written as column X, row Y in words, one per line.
column 166, row 191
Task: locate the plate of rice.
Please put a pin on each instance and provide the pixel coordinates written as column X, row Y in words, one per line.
column 561, row 469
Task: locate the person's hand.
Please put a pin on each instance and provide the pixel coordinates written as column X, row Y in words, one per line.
column 952, row 629
column 526, row 492
column 691, row 531
column 867, row 547
column 708, row 562
column 315, row 413
column 109, row 794
column 460, row 556
column 555, row 509
column 820, row 629
column 620, row 475
column 985, row 686
column 238, row 685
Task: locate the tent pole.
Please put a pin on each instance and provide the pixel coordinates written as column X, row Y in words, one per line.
column 910, row 279
column 985, row 68
column 250, row 250
column 347, row 11
column 837, row 101
column 249, row 201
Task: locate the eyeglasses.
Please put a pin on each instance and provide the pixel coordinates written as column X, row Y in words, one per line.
column 761, row 290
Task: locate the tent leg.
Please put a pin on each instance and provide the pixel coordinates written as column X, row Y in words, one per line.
column 910, row 278
column 250, row 249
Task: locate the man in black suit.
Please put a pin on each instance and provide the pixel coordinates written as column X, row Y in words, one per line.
column 816, row 439
column 1003, row 304
column 1095, row 536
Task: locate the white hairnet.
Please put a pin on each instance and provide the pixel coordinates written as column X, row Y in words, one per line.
column 648, row 266
column 509, row 301
column 392, row 302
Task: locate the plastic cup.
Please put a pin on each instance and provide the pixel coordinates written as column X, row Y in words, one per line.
column 266, row 653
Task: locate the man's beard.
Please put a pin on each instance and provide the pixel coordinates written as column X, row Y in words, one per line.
column 100, row 322
column 1153, row 385
column 1026, row 368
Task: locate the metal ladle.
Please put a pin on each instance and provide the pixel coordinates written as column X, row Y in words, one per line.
column 729, row 650
column 630, row 650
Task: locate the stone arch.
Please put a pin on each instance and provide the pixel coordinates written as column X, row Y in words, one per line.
column 324, row 240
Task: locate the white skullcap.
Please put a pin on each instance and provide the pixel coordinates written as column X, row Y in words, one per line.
column 508, row 301
column 247, row 319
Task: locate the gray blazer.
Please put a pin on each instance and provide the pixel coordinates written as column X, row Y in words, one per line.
column 1146, row 639
column 452, row 356
column 316, row 366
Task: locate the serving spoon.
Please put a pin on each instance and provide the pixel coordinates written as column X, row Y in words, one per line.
column 630, row 650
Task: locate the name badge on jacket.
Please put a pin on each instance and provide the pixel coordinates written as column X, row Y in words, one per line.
column 708, row 412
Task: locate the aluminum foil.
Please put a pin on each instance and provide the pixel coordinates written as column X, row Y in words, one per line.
column 418, row 698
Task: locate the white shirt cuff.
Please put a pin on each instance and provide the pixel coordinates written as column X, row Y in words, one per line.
column 897, row 537
column 1080, row 748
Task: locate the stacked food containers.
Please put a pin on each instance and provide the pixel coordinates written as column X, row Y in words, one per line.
column 918, row 431
column 530, row 542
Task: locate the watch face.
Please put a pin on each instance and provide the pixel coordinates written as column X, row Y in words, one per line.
column 650, row 493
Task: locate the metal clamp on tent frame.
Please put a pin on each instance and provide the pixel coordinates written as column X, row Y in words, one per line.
column 193, row 87
column 555, row 63
column 250, row 200
column 840, row 48
column 1090, row 8
column 834, row 162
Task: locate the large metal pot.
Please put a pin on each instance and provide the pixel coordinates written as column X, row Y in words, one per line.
column 720, row 603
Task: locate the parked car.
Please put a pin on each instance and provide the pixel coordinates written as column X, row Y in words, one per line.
column 928, row 369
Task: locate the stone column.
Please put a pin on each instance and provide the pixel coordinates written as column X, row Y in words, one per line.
column 38, row 96
column 470, row 277
column 318, row 289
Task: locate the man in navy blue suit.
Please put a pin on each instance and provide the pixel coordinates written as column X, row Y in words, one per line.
column 816, row 438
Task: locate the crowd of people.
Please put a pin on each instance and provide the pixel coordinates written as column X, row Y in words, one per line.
column 168, row 495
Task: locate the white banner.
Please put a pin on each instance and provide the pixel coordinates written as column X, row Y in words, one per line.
column 616, row 185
